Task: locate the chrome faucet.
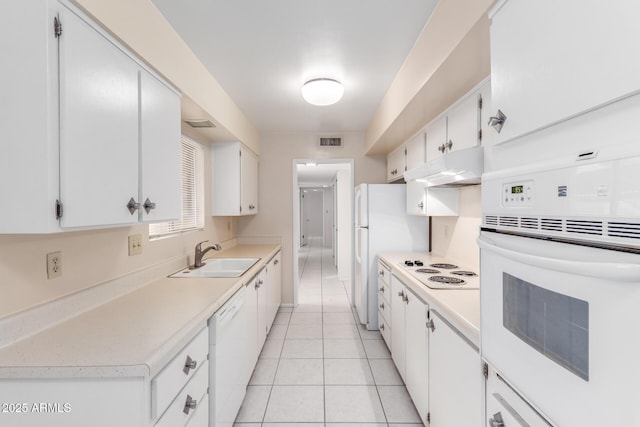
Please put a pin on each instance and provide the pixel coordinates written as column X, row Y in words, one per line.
column 197, row 261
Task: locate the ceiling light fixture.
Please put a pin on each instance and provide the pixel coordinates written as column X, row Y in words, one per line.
column 322, row 91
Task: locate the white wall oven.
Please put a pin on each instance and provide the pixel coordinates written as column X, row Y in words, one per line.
column 560, row 286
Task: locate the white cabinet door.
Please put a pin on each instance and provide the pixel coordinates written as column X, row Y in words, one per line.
column 570, row 66
column 415, row 153
column 262, row 289
column 436, row 137
column 463, row 123
column 417, row 354
column 398, row 344
column 455, row 378
column 248, row 182
column 274, row 281
column 160, row 151
column 416, row 198
column 396, row 164
column 251, row 306
column 98, row 128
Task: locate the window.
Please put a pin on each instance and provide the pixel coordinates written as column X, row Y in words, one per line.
column 192, row 194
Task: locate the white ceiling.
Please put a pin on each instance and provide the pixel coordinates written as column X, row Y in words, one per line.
column 261, row 52
column 319, row 174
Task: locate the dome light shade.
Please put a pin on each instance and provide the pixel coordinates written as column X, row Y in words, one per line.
column 322, row 91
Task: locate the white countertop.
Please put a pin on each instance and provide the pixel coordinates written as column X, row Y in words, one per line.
column 134, row 335
column 460, row 307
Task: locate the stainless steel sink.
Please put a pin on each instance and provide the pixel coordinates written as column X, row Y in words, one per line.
column 219, row 267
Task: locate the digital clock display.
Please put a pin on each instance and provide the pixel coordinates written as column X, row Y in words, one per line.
column 517, row 189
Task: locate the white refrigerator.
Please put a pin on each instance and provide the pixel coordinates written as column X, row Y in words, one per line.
column 381, row 225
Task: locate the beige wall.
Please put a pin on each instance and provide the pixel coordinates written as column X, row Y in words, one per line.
column 90, row 257
column 455, row 236
column 276, row 186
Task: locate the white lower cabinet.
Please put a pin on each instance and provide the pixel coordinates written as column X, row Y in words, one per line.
column 274, row 288
column 455, row 377
column 409, row 343
column 261, row 286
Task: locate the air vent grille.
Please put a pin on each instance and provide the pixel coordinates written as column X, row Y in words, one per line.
column 551, row 224
column 629, row 230
column 330, row 142
column 577, row 229
column 530, row 223
column 509, row 221
column 491, row 220
column 584, row 227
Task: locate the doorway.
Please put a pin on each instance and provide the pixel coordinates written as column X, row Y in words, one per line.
column 323, row 213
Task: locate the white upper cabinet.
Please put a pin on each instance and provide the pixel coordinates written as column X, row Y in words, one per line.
column 553, row 60
column 160, row 190
column 415, row 151
column 234, row 180
column 82, row 117
column 98, row 128
column 396, row 164
column 463, row 123
column 436, row 137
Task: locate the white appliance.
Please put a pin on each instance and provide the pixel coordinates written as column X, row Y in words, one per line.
column 382, row 224
column 441, row 273
column 227, row 365
column 560, row 285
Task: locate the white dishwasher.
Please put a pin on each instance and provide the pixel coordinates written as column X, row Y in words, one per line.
column 228, row 328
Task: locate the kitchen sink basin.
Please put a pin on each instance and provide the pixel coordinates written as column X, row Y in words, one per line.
column 219, row 267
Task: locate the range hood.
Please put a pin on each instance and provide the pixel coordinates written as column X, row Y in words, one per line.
column 454, row 169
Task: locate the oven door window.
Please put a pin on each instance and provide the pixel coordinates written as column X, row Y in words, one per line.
column 554, row 324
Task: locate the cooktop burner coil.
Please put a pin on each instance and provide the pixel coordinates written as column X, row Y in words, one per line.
column 444, row 265
column 447, row 279
column 464, row 273
column 428, row 271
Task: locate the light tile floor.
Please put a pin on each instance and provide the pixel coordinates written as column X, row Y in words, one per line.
column 319, row 367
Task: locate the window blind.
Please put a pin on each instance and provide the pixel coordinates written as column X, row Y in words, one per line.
column 192, row 194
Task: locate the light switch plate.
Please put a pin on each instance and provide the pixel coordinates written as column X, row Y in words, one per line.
column 135, row 244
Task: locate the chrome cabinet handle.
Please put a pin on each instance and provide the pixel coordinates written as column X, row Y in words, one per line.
column 189, row 364
column 421, row 205
column 441, row 148
column 382, row 327
column 430, row 325
column 148, row 205
column 401, row 294
column 405, row 298
column 382, row 306
column 251, row 207
column 497, row 121
column 496, row 421
column 190, row 404
column 276, row 262
column 381, row 273
column 133, row 206
column 449, row 145
column 382, row 289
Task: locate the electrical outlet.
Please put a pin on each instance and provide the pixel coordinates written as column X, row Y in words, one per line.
column 54, row 265
column 135, row 244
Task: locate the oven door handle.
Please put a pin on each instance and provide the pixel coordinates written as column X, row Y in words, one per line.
column 518, row 251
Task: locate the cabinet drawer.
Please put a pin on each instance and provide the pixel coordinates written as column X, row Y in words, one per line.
column 384, row 291
column 384, row 273
column 385, row 330
column 194, row 393
column 175, row 375
column 384, row 308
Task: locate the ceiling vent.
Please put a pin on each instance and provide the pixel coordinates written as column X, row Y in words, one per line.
column 200, row 123
column 333, row 141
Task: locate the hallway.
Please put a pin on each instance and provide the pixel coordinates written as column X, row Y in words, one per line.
column 319, row 368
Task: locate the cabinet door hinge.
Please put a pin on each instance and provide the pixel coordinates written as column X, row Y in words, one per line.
column 428, row 417
column 485, row 370
column 240, row 208
column 480, row 102
column 57, row 27
column 240, row 153
column 59, row 209
column 480, row 135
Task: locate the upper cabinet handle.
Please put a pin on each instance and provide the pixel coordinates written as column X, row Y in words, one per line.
column 497, row 121
column 133, row 206
column 148, row 205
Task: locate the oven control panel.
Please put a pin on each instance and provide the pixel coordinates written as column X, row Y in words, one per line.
column 518, row 194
